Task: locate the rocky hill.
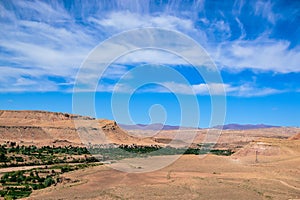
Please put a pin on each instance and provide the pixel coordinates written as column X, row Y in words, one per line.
column 60, row 129
column 295, row 137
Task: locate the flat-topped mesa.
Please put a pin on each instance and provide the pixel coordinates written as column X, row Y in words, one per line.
column 41, row 115
column 43, row 119
column 43, row 128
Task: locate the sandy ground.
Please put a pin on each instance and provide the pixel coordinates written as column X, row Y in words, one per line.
column 190, row 177
column 275, row 174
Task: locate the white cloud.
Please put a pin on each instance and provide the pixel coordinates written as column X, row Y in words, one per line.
column 238, row 5
column 261, row 53
column 245, row 90
column 180, row 88
column 241, row 26
column 25, row 84
column 200, row 89
column 41, row 40
column 264, row 9
column 49, row 12
column 212, row 88
column 24, row 81
column 152, row 56
column 126, row 20
column 119, row 21
column 221, row 28
column 115, row 71
column 53, row 61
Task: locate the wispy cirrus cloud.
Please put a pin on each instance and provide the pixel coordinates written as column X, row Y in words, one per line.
column 265, row 9
column 40, row 39
column 244, row 90
column 260, row 54
column 125, row 21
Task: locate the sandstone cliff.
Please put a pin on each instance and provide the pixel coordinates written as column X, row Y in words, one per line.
column 60, row 129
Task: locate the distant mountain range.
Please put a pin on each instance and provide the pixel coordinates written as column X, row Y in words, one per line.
column 155, row 126
column 243, row 126
column 159, row 126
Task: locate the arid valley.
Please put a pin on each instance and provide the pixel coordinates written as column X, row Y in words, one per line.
column 263, row 163
column 149, row 99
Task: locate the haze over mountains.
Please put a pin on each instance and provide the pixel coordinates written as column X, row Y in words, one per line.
column 159, row 126
column 244, row 126
column 155, row 126
column 63, row 129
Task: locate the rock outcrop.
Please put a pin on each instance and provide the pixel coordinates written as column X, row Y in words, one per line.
column 52, row 128
column 295, row 137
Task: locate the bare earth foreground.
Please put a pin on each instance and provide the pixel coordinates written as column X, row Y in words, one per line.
column 190, row 177
column 265, row 165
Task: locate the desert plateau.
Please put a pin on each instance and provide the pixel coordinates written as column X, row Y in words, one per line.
column 264, row 163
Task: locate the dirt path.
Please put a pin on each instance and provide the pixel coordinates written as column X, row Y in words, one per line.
column 11, row 169
column 290, row 186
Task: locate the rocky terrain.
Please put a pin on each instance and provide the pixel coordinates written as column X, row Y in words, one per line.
column 62, row 129
column 42, row 128
column 190, row 177
column 264, row 165
column 295, row 137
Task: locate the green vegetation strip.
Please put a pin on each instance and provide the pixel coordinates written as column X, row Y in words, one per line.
column 12, row 155
column 19, row 184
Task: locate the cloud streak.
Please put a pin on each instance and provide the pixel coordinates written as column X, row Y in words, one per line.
column 41, row 40
column 261, row 54
column 202, row 89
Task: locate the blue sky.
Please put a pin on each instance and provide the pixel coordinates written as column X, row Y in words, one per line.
column 254, row 44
